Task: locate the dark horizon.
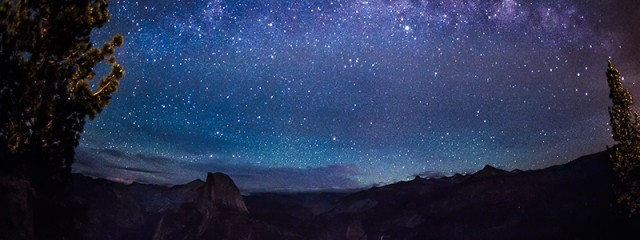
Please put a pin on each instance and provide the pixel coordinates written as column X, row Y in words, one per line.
column 243, row 183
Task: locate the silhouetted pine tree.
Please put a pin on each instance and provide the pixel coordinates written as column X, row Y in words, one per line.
column 47, row 86
column 625, row 128
column 47, row 90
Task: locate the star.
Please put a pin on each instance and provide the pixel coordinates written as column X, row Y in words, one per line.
column 254, row 87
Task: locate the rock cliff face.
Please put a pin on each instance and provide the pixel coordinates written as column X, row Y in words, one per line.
column 220, row 190
column 219, row 211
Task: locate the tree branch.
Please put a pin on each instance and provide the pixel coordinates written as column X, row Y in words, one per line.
column 101, row 89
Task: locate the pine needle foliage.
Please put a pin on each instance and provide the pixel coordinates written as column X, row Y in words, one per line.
column 625, row 155
column 48, row 86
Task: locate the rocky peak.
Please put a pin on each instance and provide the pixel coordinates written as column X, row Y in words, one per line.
column 489, row 171
column 220, row 190
column 490, row 168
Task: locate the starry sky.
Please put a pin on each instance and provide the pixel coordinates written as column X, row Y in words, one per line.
column 339, row 94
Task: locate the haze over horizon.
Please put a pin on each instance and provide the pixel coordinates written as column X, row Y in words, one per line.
column 303, row 95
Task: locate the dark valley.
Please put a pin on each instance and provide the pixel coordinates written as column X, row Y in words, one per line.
column 570, row 201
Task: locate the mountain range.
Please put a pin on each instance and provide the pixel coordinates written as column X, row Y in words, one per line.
column 570, row 201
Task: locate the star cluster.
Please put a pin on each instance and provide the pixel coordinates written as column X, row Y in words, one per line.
column 302, row 95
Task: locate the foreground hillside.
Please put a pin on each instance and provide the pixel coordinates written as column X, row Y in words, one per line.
column 571, row 201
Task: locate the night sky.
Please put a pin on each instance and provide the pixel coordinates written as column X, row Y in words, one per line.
column 329, row 94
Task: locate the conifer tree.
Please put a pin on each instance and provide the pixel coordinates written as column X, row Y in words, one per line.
column 625, row 155
column 48, row 85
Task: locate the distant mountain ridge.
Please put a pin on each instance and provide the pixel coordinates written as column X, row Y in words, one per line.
column 569, row 201
column 574, row 201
